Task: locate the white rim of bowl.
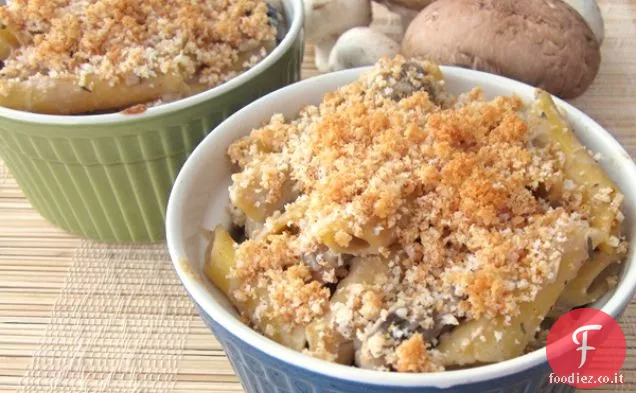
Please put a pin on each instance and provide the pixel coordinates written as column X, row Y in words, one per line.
column 291, row 35
column 618, row 302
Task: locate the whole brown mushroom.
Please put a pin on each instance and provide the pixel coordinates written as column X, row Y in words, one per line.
column 544, row 43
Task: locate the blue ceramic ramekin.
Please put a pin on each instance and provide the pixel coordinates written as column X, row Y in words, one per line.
column 199, row 201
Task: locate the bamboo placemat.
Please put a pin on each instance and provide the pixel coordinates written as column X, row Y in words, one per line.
column 79, row 316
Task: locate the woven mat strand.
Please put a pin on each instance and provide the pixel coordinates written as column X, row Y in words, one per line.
column 118, row 320
column 119, row 324
column 4, row 173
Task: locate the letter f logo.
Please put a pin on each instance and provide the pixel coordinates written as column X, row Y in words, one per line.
column 583, row 344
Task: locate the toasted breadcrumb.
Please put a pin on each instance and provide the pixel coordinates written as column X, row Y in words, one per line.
column 451, row 193
column 122, row 41
column 412, row 356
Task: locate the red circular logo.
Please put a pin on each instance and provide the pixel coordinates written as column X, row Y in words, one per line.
column 586, row 348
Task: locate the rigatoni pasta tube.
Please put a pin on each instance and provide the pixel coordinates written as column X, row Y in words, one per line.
column 504, row 340
column 66, row 96
column 218, row 266
column 8, row 41
column 324, row 341
column 591, row 281
column 581, row 168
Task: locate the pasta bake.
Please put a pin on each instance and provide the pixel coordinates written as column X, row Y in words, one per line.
column 87, row 56
column 398, row 227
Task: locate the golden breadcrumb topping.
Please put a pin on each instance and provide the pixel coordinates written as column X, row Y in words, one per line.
column 412, row 355
column 296, row 296
column 451, row 193
column 124, row 40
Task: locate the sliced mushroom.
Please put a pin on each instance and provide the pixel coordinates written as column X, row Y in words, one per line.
column 411, row 76
column 325, row 265
column 276, row 19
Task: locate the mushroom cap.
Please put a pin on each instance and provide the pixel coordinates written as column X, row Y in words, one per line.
column 592, row 14
column 361, row 46
column 544, row 43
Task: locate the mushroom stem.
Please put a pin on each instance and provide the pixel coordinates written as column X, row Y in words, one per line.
column 322, row 50
column 406, row 10
column 406, row 17
column 326, row 20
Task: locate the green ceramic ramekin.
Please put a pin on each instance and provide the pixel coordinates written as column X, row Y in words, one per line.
column 107, row 177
